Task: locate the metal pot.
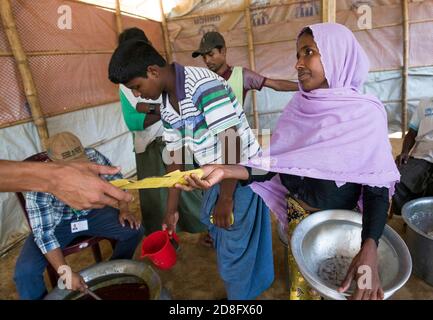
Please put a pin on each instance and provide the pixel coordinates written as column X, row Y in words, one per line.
column 115, row 272
column 418, row 215
column 331, row 234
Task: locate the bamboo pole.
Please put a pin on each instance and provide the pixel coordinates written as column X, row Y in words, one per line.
column 68, row 53
column 82, row 107
column 256, row 43
column 220, row 12
column 252, row 59
column 260, row 43
column 59, row 53
column 14, row 123
column 329, row 11
column 118, row 15
column 104, row 141
column 134, row 15
column 24, row 69
column 200, row 15
column 405, row 11
column 53, row 114
column 137, row 16
column 169, row 54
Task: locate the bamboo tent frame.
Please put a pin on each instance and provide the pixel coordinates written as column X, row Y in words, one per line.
column 118, row 18
column 24, row 70
column 20, row 56
column 14, row 50
column 220, row 12
column 169, row 55
column 405, row 12
column 328, row 14
column 252, row 59
column 329, row 10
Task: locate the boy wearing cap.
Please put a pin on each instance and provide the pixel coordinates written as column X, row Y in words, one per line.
column 199, row 112
column 213, row 50
column 55, row 225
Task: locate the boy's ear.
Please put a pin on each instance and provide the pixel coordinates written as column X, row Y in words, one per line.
column 153, row 71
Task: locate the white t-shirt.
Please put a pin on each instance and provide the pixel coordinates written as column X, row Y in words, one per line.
column 422, row 122
column 143, row 138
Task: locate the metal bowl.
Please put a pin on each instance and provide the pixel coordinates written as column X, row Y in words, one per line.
column 324, row 244
column 418, row 214
column 114, row 272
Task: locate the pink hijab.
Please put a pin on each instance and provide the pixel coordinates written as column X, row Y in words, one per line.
column 336, row 133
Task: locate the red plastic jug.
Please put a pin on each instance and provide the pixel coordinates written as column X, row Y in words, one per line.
column 159, row 247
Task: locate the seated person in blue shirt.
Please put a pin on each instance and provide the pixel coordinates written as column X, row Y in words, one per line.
column 55, row 225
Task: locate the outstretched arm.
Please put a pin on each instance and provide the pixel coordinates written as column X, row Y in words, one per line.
column 281, row 85
column 151, row 111
column 76, row 183
column 408, row 143
column 365, row 263
column 212, row 175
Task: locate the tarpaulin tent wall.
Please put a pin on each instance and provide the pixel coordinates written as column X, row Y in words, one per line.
column 69, row 70
column 69, row 66
column 275, row 25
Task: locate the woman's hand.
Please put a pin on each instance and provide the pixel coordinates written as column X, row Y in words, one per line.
column 223, row 212
column 365, row 271
column 212, row 175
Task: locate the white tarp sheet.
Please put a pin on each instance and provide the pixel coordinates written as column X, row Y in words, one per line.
column 275, row 27
column 102, row 127
column 386, row 85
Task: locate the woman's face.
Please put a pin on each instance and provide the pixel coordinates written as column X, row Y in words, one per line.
column 309, row 66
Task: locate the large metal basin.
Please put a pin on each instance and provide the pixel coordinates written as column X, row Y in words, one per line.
column 115, row 272
column 418, row 215
column 335, row 236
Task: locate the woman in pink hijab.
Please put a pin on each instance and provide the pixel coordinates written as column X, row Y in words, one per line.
column 329, row 150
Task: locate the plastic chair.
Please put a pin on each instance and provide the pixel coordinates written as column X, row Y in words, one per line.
column 78, row 244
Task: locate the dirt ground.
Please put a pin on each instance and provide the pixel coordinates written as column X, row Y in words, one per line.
column 195, row 275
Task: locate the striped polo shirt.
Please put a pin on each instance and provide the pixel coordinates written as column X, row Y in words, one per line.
column 207, row 107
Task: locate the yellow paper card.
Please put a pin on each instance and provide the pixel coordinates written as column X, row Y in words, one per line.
column 167, row 181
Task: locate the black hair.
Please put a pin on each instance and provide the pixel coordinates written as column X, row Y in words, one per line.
column 132, row 33
column 306, row 30
column 131, row 59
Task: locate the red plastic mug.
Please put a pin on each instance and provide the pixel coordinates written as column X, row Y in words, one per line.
column 159, row 247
